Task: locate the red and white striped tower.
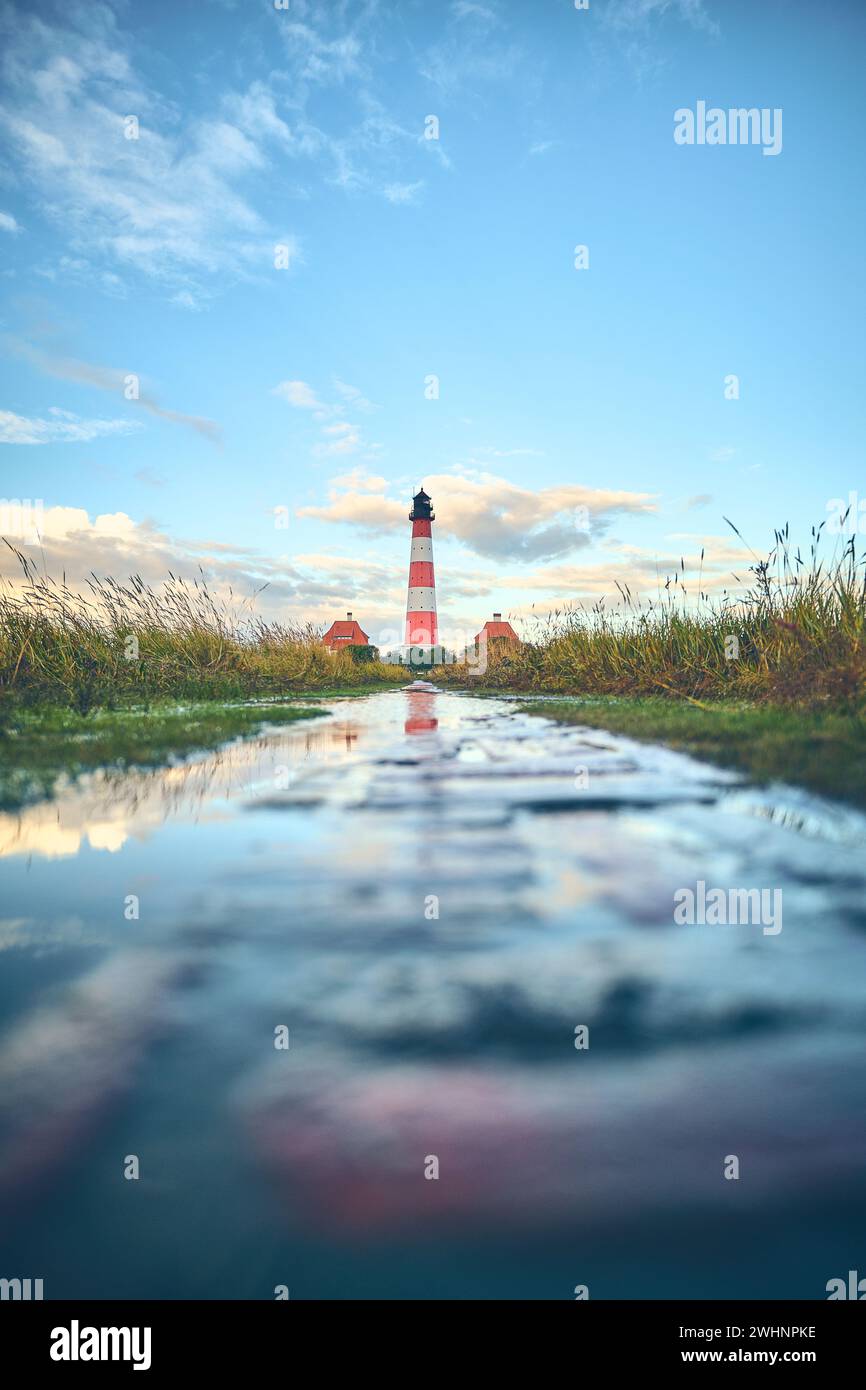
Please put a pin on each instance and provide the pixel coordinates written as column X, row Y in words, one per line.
column 421, row 626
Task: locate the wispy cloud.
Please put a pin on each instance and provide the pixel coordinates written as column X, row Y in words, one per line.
column 637, row 14
column 353, row 396
column 340, row 46
column 150, row 477
column 644, row 571
column 470, row 9
column 77, row 270
column 114, row 380
column 300, row 395
column 403, row 192
column 637, row 28
column 343, row 438
column 185, row 300
column 340, row 436
column 62, row 427
column 8, row 223
column 187, row 200
column 359, row 481
column 474, row 49
column 167, row 203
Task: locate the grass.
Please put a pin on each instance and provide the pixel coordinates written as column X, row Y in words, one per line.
column 796, row 636
column 41, row 746
column 129, row 643
column 824, row 750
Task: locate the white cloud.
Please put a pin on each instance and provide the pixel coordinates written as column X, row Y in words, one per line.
column 298, row 394
column 185, row 300
column 62, row 428
column 643, row 571
column 255, row 112
column 342, row 437
column 359, row 481
column 353, row 395
column 319, row 60
column 167, row 204
column 318, row 587
column 403, row 192
column 188, row 200
column 466, row 54
column 640, row 28
column 470, row 9
column 493, row 517
column 8, row 223
column 347, row 442
column 313, row 588
column 631, row 14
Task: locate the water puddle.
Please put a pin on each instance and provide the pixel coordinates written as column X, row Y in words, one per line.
column 426, row 894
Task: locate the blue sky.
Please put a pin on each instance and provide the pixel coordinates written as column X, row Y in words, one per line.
column 581, row 432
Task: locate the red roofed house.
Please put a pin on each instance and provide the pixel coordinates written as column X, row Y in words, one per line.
column 497, row 630
column 345, row 634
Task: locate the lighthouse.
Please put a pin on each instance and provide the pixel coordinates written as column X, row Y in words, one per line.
column 422, row 633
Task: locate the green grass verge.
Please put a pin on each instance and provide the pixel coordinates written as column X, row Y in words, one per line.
column 41, row 744
column 824, row 751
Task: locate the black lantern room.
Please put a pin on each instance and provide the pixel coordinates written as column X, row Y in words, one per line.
column 422, row 507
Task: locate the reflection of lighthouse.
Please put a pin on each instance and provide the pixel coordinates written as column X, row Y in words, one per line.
column 422, row 719
column 421, row 628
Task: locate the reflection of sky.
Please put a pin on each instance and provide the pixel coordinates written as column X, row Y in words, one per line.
column 288, row 879
column 103, row 810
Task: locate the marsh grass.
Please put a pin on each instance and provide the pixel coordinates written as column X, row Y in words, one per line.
column 123, row 643
column 800, row 630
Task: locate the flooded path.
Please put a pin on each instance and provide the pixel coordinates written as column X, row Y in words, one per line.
column 434, row 900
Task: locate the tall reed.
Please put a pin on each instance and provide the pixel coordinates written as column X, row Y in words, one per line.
column 132, row 641
column 797, row 634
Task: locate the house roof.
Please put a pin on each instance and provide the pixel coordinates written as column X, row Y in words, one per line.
column 500, row 629
column 346, row 631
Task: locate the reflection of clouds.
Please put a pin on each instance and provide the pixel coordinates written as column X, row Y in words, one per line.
column 523, row 1147
column 30, row 933
column 567, row 889
column 104, row 810
column 37, row 831
column 60, row 829
column 106, row 836
column 62, row 1062
column 13, row 931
